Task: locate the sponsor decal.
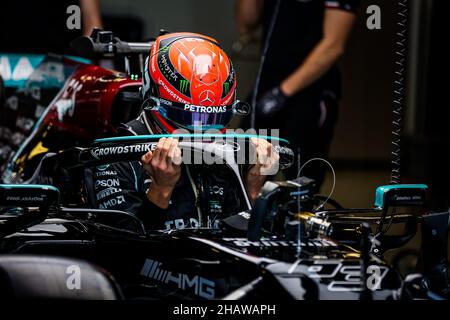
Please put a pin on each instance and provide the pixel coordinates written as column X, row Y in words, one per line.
column 215, row 207
column 103, row 167
column 283, row 150
column 226, row 88
column 184, row 84
column 201, row 287
column 105, row 173
column 407, row 198
column 152, row 63
column 193, row 223
column 117, row 150
column 229, row 83
column 112, row 202
column 182, row 223
column 107, row 183
column 216, row 190
column 344, row 277
column 165, row 67
column 243, row 242
column 107, row 192
column 227, row 145
column 201, row 109
column 65, row 107
column 207, row 98
column 170, row 92
column 27, row 198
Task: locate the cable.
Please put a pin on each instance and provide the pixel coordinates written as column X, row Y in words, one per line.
column 263, row 59
column 399, row 89
column 334, row 178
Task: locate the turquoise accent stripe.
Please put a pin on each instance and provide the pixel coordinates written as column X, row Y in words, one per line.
column 194, row 135
column 381, row 190
column 25, row 64
column 78, row 59
column 29, row 186
column 28, row 63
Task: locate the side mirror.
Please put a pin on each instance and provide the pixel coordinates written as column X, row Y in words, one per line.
column 28, row 195
column 242, row 108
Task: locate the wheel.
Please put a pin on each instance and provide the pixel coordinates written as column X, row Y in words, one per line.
column 24, row 276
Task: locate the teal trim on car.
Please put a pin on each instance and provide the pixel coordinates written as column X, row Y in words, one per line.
column 16, row 68
column 381, row 191
column 29, row 186
column 194, row 135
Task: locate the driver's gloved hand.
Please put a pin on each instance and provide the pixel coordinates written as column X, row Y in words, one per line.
column 271, row 102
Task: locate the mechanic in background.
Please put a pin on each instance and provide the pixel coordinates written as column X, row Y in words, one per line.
column 300, row 84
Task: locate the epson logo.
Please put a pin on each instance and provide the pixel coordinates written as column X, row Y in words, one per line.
column 19, row 198
column 107, row 151
column 202, row 287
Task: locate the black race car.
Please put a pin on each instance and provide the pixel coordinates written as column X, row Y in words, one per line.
column 290, row 245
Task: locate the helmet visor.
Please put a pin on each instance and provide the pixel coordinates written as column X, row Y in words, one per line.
column 190, row 116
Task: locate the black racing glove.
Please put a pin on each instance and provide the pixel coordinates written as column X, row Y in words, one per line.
column 271, row 102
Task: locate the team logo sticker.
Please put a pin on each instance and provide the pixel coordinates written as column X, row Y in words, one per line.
column 207, row 98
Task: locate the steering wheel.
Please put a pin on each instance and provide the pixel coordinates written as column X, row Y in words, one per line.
column 233, row 150
column 230, row 149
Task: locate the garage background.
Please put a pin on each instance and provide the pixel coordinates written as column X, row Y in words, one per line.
column 361, row 148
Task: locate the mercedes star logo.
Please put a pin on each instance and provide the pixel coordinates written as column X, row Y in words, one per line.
column 207, row 98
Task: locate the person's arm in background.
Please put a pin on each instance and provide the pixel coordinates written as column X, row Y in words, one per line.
column 248, row 15
column 336, row 29
column 92, row 18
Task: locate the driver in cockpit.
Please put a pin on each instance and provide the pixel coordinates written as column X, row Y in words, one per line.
column 194, row 84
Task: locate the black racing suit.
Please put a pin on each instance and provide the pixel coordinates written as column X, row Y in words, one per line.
column 202, row 196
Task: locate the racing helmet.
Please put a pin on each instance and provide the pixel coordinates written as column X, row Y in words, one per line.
column 188, row 82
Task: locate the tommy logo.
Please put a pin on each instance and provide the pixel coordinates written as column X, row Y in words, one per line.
column 207, row 98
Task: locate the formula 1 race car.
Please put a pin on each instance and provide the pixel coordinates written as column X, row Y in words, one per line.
column 288, row 246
